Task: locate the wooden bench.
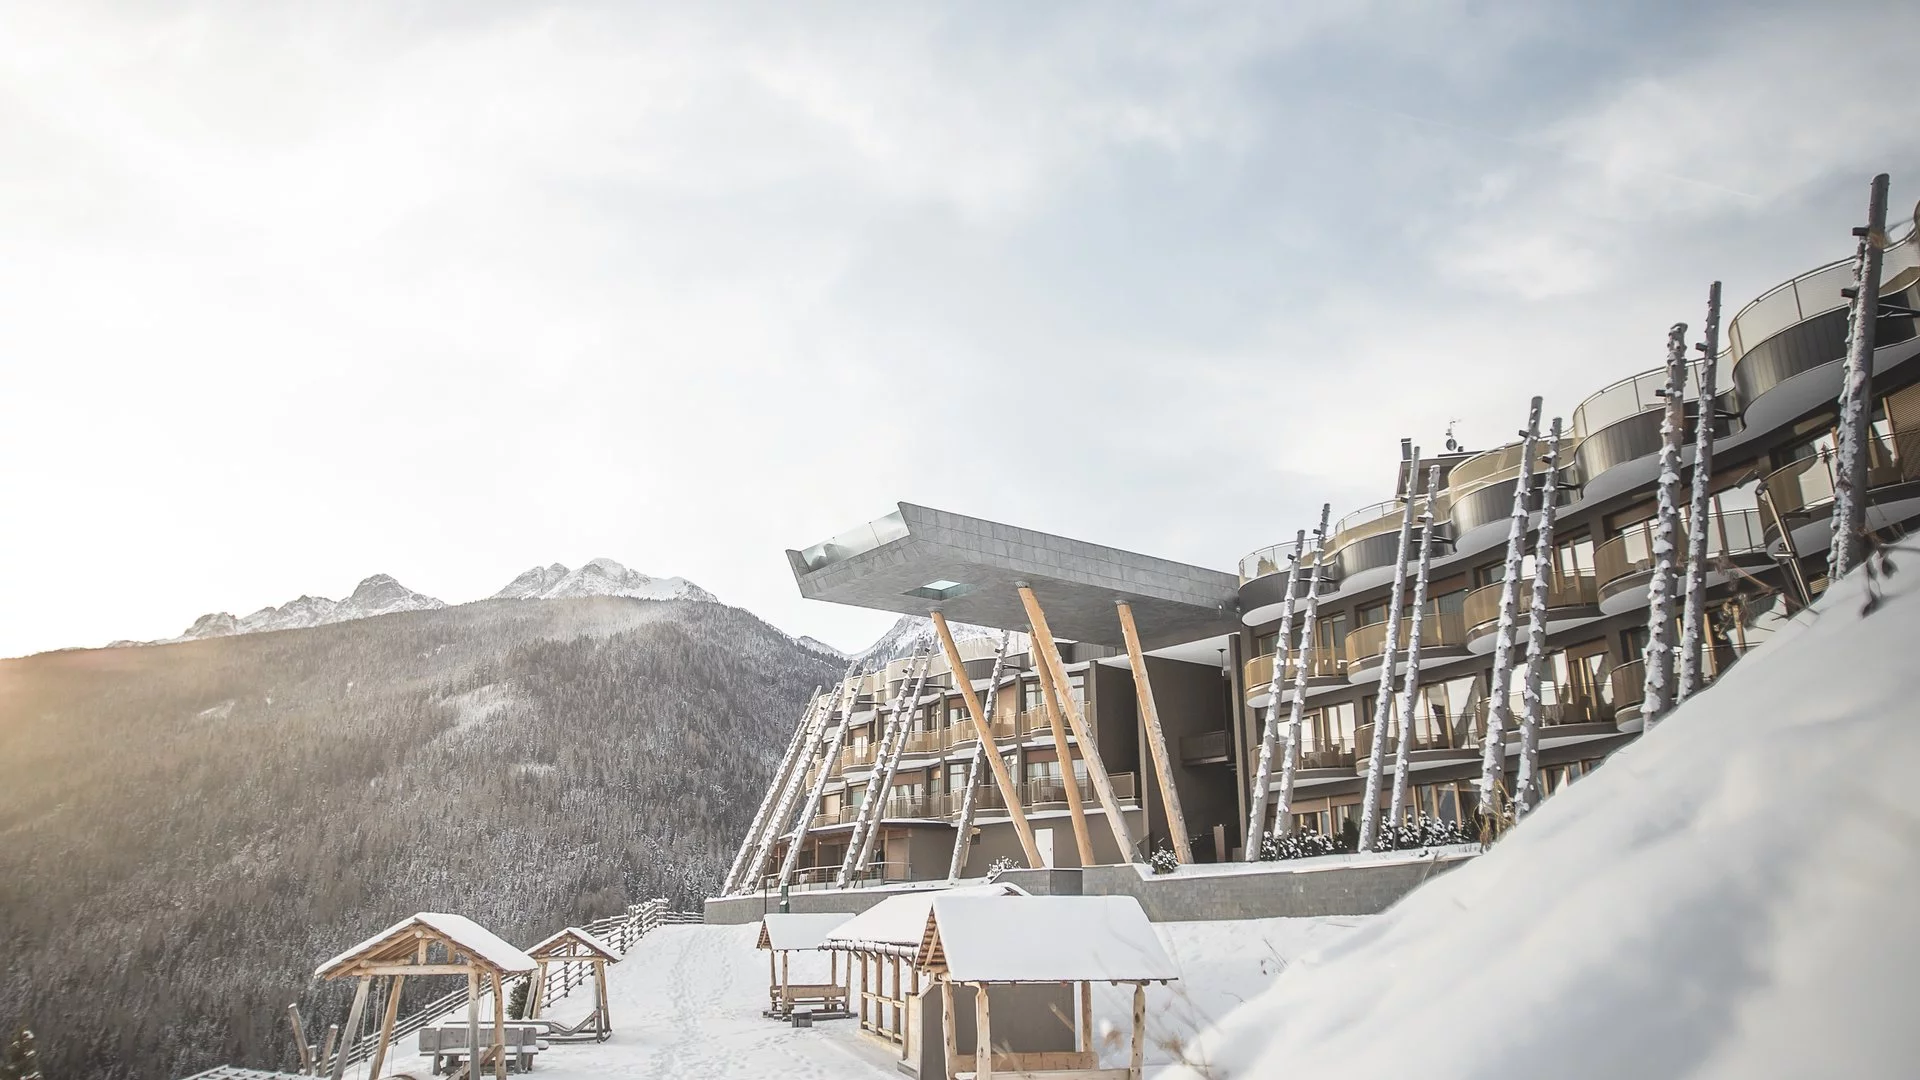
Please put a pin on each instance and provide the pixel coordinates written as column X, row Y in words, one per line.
column 449, row 1043
column 826, row 997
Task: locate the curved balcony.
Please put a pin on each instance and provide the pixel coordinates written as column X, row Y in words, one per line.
column 1428, row 749
column 1629, row 683
column 1364, row 544
column 1572, row 599
column 1800, row 494
column 1623, row 566
column 1620, row 425
column 1324, row 672
column 1480, row 494
column 1443, row 637
column 1261, row 598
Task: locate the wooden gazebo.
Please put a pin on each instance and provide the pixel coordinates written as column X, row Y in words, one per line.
column 1005, row 949
column 784, row 933
column 430, row 943
column 574, row 946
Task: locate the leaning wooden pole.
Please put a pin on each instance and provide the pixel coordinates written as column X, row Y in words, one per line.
column 1410, row 688
column 1657, row 691
column 1076, row 803
column 1270, row 730
column 1493, row 757
column 796, row 781
column 1389, row 659
column 970, row 797
column 1856, row 392
column 803, row 825
column 1156, row 736
column 1693, row 617
column 1089, row 750
column 352, row 1030
column 1302, row 666
column 1526, row 784
column 752, row 840
column 893, row 744
column 1001, row 776
column 394, row 984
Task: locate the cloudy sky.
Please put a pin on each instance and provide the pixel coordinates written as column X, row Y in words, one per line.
column 292, row 294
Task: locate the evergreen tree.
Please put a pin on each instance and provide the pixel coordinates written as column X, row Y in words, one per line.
column 22, row 1061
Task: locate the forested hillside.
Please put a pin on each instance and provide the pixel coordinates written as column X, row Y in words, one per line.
column 186, row 829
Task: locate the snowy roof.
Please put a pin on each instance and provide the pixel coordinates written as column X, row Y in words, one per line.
column 574, row 933
column 896, row 924
column 788, row 931
column 396, row 943
column 1044, row 939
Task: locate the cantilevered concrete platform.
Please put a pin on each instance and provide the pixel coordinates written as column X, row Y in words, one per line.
column 918, row 559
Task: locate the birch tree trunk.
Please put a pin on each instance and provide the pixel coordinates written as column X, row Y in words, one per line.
column 1493, row 758
column 1693, row 618
column 1658, row 697
column 1526, row 793
column 1303, row 659
column 774, row 786
column 1410, row 691
column 977, row 766
column 893, row 742
column 804, row 824
column 796, row 781
column 1270, row 730
column 1389, row 649
column 1856, row 392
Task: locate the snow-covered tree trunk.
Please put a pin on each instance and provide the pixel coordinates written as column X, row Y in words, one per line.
column 774, row 786
column 1526, row 785
column 1303, row 660
column 804, row 823
column 893, row 743
column 1693, row 618
column 1389, row 650
column 1856, row 392
column 1493, row 757
column 1410, row 691
column 796, row 782
column 1658, row 697
column 977, row 766
column 1270, row 730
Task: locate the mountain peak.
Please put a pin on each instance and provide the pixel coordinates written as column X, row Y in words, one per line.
column 379, row 594
column 599, row 577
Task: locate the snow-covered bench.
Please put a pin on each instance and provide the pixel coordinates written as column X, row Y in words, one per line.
column 448, row 1044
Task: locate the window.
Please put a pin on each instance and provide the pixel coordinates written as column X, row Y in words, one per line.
column 1370, row 614
column 1330, row 634
column 1573, row 557
column 1266, row 644
column 1490, row 574
column 1453, row 603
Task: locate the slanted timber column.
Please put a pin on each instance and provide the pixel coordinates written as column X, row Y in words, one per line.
column 1076, row 806
column 1000, row 775
column 804, row 824
column 1096, row 771
column 774, row 787
column 1156, row 738
column 970, row 798
column 796, row 779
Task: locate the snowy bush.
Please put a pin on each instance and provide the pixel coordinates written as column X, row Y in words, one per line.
column 1000, row 866
column 1269, row 847
column 517, row 1003
column 1425, row 831
column 1163, row 860
column 1296, row 845
column 21, row 1061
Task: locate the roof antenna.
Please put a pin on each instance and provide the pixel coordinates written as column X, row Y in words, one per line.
column 1453, row 444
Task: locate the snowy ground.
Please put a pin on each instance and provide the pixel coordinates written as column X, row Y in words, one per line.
column 686, row 1003
column 1730, row 896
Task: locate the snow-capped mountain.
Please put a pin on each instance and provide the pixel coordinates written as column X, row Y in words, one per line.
column 810, row 642
column 601, row 577
column 377, row 595
column 912, row 635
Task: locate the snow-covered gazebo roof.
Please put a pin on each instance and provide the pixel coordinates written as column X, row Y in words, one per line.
column 404, row 942
column 1043, row 939
column 573, row 943
column 797, row 931
column 895, row 925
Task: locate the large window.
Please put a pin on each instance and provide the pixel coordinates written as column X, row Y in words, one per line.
column 1448, row 713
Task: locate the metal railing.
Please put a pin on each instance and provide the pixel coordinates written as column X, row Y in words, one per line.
column 1731, row 532
column 1801, row 488
column 1815, row 292
column 1258, row 672
column 1631, row 396
column 1629, row 683
column 1500, row 465
column 1438, row 629
column 1051, row 793
column 1203, row 747
column 1566, row 590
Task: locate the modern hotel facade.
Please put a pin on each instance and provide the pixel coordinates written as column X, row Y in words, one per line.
column 1209, row 637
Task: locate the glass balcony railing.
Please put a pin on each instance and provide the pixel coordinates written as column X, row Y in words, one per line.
column 1437, row 630
column 1629, row 684
column 1805, row 487
column 854, row 542
column 1501, row 465
column 1258, row 671
column 1815, row 292
column 1566, row 591
column 1630, row 396
column 1729, row 532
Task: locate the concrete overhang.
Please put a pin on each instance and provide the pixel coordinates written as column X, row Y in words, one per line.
column 918, row 560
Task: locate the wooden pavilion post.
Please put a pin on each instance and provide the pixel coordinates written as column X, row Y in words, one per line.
column 1076, row 806
column 982, row 1034
column 473, row 1022
column 1000, row 775
column 600, row 1006
column 300, row 1040
column 1139, row 1031
column 1086, row 1018
column 1049, row 654
column 950, row 1049
column 1156, row 737
column 537, row 993
column 499, row 1030
column 359, row 1006
column 394, row 983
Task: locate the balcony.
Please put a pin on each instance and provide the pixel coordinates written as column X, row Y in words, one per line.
column 1621, row 423
column 1324, row 672
column 1801, row 494
column 1623, row 566
column 1480, row 494
column 1443, row 636
column 1210, row 748
column 1263, row 595
column 1364, row 543
column 1051, row 794
column 1572, row 599
column 1430, row 747
column 1629, row 684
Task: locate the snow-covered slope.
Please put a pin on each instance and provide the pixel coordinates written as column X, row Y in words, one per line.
column 377, row 595
column 913, row 634
column 601, row 577
column 1730, row 896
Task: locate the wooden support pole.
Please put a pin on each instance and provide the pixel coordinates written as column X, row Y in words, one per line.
column 326, row 1047
column 1008, row 791
column 353, row 1024
column 1139, row 1031
column 499, row 1031
column 1049, row 654
column 1156, row 736
column 600, row 997
column 537, row 993
column 949, row 1040
column 300, row 1040
column 1076, row 806
column 473, row 1023
column 1086, row 1018
column 394, row 983
column 982, row 1034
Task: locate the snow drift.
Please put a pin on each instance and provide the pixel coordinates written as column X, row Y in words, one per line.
column 1728, row 897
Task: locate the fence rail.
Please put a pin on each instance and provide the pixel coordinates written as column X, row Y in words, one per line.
column 618, row 931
